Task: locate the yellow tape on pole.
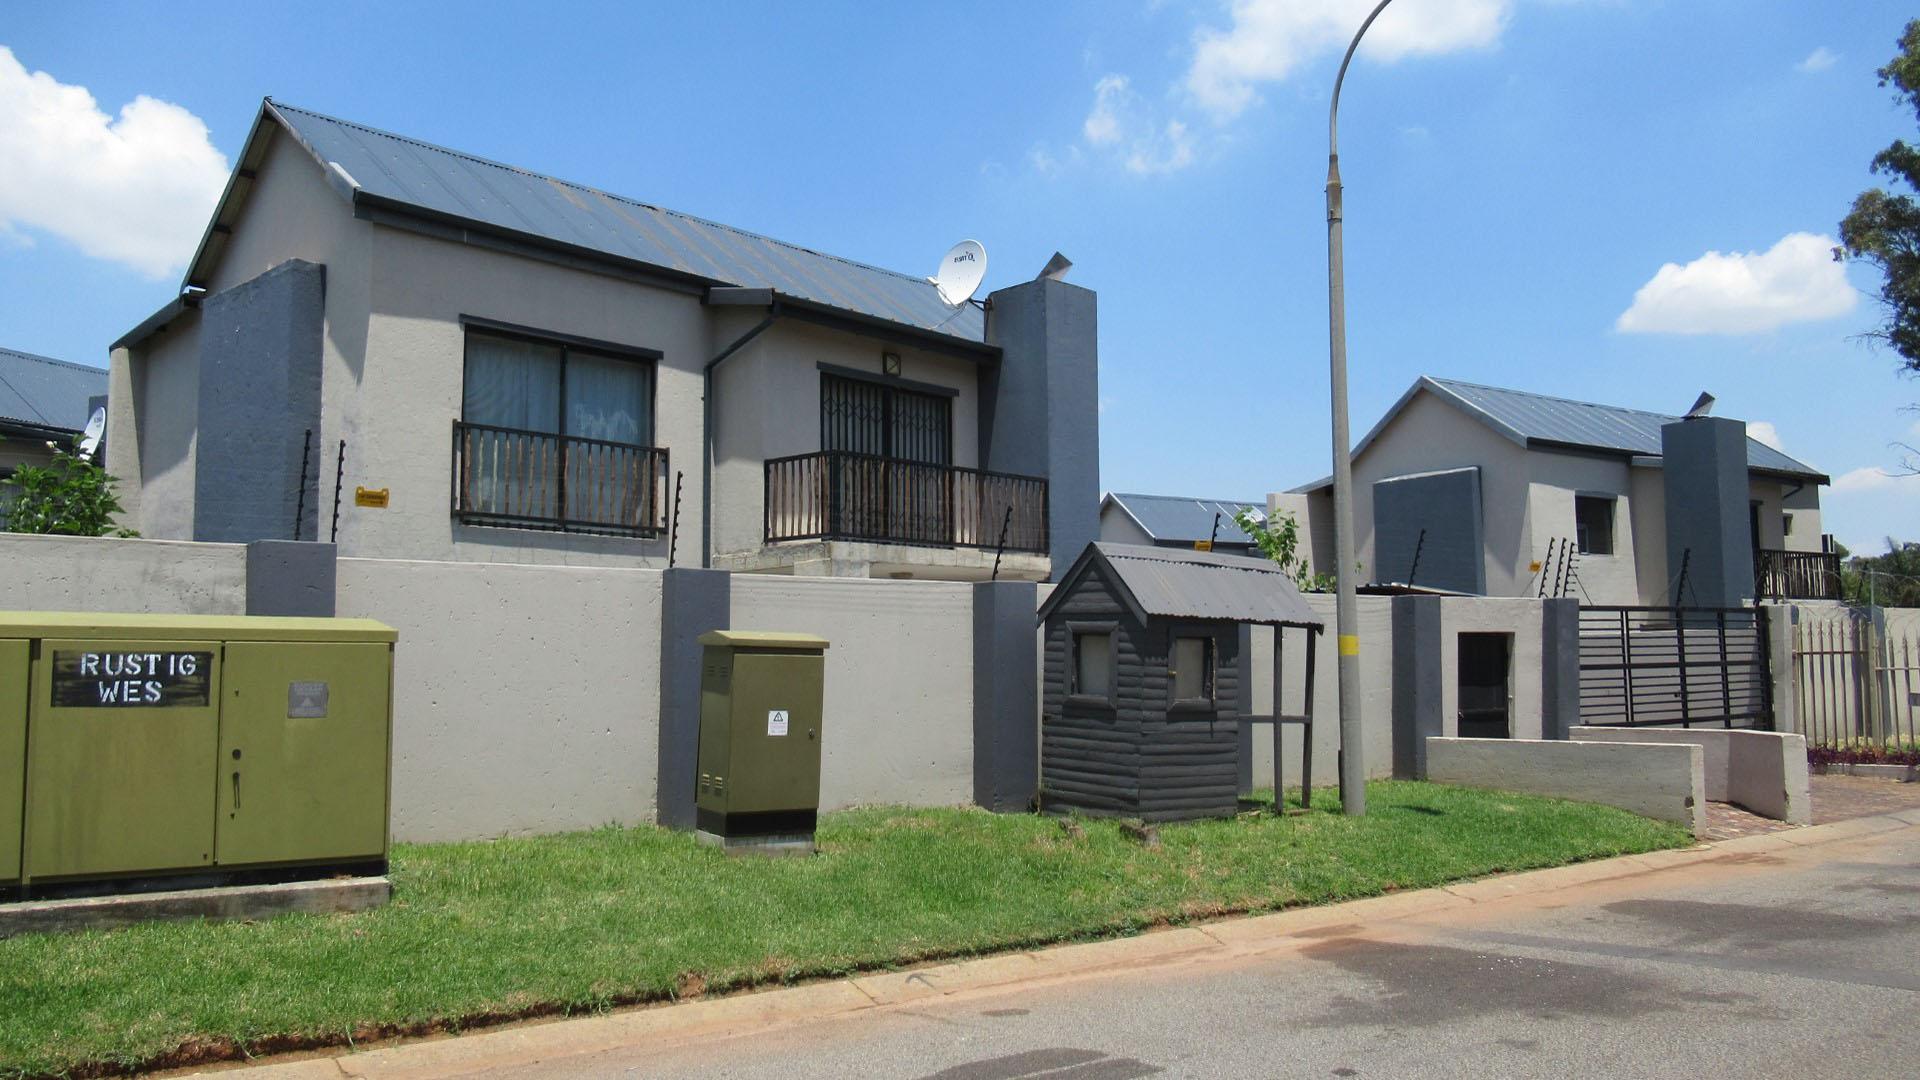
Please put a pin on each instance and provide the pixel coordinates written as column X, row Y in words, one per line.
column 1349, row 645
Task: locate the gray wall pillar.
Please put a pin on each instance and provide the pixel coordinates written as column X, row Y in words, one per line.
column 692, row 602
column 1040, row 407
column 1560, row 667
column 260, row 350
column 287, row 577
column 1704, row 467
column 1006, row 701
column 1417, row 683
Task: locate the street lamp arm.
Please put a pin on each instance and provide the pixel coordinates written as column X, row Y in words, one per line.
column 1333, row 111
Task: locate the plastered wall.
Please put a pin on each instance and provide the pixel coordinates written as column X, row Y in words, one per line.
column 74, row 573
column 899, row 697
column 1376, row 694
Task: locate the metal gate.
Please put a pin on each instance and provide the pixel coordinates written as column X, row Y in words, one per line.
column 1857, row 680
column 1653, row 666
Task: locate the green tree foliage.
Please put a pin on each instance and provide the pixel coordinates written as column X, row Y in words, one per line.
column 1278, row 538
column 70, row 496
column 1883, row 228
column 1890, row 580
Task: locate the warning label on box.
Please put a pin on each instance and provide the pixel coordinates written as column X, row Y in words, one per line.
column 776, row 721
column 306, row 701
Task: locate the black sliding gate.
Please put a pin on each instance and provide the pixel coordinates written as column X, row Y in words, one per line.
column 1650, row 666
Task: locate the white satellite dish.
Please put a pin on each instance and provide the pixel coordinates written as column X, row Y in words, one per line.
column 962, row 269
column 96, row 427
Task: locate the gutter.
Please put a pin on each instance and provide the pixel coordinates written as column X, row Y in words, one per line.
column 724, row 296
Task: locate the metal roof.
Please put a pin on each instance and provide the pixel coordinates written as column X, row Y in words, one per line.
column 1208, row 586
column 44, row 392
column 1178, row 518
column 445, row 183
column 1539, row 420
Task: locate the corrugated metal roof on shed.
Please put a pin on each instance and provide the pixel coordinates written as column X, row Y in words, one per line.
column 1177, row 584
column 442, row 181
column 45, row 392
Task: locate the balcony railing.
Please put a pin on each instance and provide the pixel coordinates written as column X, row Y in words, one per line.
column 1796, row 575
column 833, row 495
column 539, row 480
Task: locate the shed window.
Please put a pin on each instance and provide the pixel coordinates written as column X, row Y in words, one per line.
column 1593, row 523
column 1193, row 669
column 1093, row 664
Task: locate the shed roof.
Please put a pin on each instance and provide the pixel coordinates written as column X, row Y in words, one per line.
column 1185, row 519
column 376, row 169
column 1178, row 584
column 1538, row 420
column 42, row 392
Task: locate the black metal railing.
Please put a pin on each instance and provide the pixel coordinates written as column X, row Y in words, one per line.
column 1646, row 666
column 1796, row 575
column 539, row 480
column 835, row 495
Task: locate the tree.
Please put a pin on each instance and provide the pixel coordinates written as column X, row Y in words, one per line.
column 1890, row 580
column 1883, row 228
column 1279, row 540
column 70, row 496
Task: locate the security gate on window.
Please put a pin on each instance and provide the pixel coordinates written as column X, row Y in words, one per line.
column 1665, row 667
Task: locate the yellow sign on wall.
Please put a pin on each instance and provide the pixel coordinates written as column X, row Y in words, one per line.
column 374, row 497
column 1203, row 545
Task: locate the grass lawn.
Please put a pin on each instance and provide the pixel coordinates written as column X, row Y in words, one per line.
column 584, row 921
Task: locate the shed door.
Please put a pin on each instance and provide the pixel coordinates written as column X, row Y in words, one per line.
column 1485, row 691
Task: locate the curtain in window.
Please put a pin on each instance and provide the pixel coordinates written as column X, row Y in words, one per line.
column 607, row 399
column 512, row 384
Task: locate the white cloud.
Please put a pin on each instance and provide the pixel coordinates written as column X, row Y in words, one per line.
column 1819, row 59
column 137, row 189
column 1876, row 479
column 1764, row 432
column 1123, row 126
column 1269, row 39
column 1796, row 280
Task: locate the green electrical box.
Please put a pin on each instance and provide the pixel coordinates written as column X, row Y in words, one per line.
column 761, row 718
column 147, row 746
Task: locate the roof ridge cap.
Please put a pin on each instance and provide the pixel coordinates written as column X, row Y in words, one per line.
column 76, row 365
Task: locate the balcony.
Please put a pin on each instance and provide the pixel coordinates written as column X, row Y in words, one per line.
column 539, row 480
column 1796, row 575
column 834, row 495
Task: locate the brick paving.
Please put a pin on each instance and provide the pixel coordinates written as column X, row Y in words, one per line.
column 1839, row 797
column 1726, row 821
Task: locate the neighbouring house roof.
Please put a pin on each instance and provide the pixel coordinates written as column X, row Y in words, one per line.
column 460, row 193
column 1179, row 584
column 38, row 392
column 1540, row 421
column 1179, row 519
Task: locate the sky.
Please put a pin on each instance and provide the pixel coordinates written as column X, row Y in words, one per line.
column 1623, row 201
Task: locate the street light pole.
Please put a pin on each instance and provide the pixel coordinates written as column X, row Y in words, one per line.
column 1353, row 770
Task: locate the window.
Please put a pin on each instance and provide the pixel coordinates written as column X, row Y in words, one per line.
column 1786, row 524
column 1092, row 665
column 1192, row 671
column 555, row 434
column 1593, row 524
column 874, row 418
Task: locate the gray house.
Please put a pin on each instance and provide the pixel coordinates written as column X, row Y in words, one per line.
column 479, row 362
column 43, row 400
column 1480, row 489
column 1175, row 521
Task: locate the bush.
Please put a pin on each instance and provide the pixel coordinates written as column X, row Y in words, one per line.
column 70, row 496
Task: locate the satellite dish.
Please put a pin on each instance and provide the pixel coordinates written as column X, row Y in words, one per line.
column 962, row 269
column 1701, row 407
column 96, row 427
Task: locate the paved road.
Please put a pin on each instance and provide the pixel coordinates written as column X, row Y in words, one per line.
column 1790, row 963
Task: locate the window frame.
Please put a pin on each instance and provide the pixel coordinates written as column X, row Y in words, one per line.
column 890, row 391
column 1210, row 674
column 1582, row 538
column 1074, row 695
column 566, row 343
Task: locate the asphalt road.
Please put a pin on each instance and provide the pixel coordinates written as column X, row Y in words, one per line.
column 1796, row 963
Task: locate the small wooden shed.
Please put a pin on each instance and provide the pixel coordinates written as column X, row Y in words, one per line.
column 1142, row 675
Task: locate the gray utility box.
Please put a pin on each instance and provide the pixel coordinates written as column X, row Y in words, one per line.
column 761, row 716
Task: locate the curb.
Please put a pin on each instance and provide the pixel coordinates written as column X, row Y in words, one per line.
column 680, row 1023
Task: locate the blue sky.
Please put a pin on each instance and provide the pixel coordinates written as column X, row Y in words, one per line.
column 1518, row 174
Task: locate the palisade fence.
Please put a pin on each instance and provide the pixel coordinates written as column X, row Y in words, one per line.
column 1666, row 667
column 1858, row 681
